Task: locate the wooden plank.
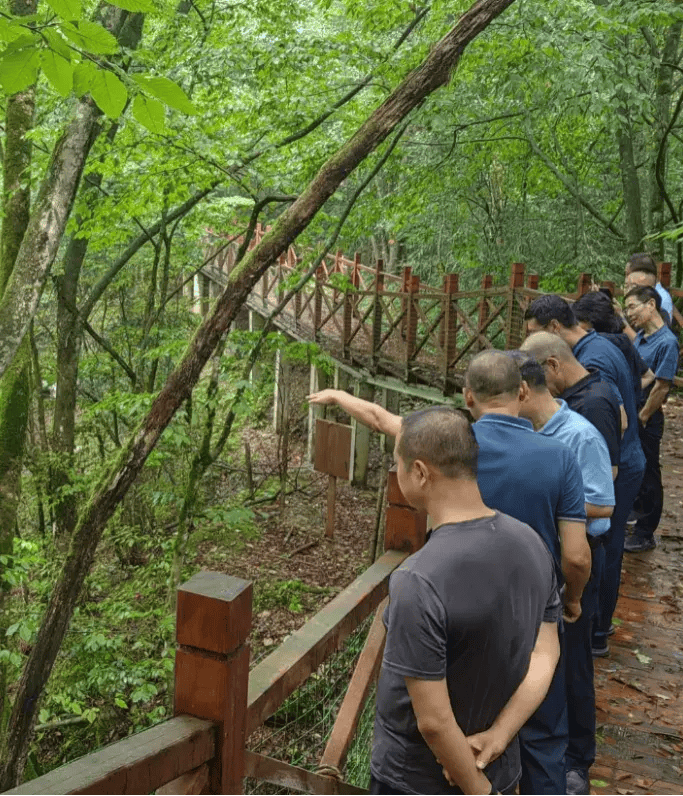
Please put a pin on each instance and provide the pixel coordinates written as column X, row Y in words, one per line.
column 364, row 675
column 196, row 781
column 332, row 448
column 331, row 502
column 138, row 764
column 276, row 677
column 277, row 772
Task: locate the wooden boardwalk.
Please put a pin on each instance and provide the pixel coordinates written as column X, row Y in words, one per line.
column 640, row 685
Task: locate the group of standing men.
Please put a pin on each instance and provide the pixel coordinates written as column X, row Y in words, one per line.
column 487, row 677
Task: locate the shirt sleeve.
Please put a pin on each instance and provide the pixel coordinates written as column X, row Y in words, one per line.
column 572, row 500
column 667, row 363
column 596, row 469
column 417, row 631
column 604, row 415
column 553, row 608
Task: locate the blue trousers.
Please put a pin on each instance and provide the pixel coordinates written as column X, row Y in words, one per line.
column 626, row 488
column 579, row 671
column 543, row 739
column 650, row 500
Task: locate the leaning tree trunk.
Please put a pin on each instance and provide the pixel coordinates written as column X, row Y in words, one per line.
column 434, row 72
column 15, row 382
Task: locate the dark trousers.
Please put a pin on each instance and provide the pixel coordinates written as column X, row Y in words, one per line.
column 579, row 671
column 626, row 488
column 650, row 500
column 543, row 739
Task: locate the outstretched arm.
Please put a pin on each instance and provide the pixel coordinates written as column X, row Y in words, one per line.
column 365, row 412
column 489, row 745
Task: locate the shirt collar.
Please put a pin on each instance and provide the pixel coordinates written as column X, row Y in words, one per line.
column 557, row 420
column 593, row 375
column 582, row 342
column 504, row 420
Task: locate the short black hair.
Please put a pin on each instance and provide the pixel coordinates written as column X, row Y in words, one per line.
column 596, row 309
column 642, row 261
column 530, row 369
column 644, row 293
column 440, row 436
column 551, row 308
column 492, row 373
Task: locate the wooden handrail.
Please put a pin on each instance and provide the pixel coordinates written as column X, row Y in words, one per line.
column 140, row 763
column 276, row 677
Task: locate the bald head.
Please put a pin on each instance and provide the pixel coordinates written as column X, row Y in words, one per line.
column 542, row 345
column 493, row 373
column 440, row 436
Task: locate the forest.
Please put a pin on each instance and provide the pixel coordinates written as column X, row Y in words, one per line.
column 451, row 137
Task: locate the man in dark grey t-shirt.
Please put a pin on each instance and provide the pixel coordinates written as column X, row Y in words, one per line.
column 471, row 627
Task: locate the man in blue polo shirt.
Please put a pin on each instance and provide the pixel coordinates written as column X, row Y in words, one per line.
column 658, row 346
column 537, row 480
column 553, row 418
column 586, row 393
column 641, row 271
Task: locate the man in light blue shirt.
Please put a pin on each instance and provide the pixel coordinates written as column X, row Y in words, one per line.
column 553, row 418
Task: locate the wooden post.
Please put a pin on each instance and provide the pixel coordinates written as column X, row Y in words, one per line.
column 584, row 284
column 212, row 666
column 411, row 324
column 611, row 286
column 331, row 504
column 318, row 302
column 532, row 281
column 486, row 284
column 449, row 329
column 377, row 314
column 392, row 403
column 349, row 301
column 406, row 529
column 297, row 303
column 256, row 324
column 361, row 445
column 514, row 327
column 407, row 273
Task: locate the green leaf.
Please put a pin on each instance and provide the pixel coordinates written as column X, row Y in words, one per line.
column 616, row 621
column 109, row 93
column 144, row 6
column 120, row 703
column 599, row 783
column 25, row 633
column 58, row 71
column 641, row 657
column 85, row 76
column 57, row 43
column 149, row 112
column 91, row 37
column 19, row 69
column 66, row 9
column 8, row 32
column 168, row 92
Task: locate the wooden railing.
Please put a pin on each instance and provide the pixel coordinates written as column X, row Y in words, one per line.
column 219, row 703
column 393, row 324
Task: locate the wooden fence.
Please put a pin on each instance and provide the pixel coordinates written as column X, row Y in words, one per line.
column 391, row 324
column 219, row 703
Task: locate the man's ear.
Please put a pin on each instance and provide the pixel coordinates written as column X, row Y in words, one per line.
column 523, row 392
column 421, row 470
column 554, row 326
column 468, row 395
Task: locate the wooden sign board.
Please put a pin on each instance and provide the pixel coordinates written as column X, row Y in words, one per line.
column 332, row 449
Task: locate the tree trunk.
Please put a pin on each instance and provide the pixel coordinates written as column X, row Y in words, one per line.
column 15, row 382
column 434, row 72
column 660, row 133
